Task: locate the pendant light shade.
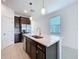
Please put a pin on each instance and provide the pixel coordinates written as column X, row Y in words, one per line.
column 43, row 9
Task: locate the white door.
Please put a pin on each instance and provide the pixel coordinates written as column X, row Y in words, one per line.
column 7, row 31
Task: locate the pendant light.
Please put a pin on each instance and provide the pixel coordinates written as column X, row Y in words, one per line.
column 30, row 10
column 43, row 9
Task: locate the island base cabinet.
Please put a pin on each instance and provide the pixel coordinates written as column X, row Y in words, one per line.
column 38, row 51
column 33, row 51
column 40, row 54
column 28, row 50
column 24, row 43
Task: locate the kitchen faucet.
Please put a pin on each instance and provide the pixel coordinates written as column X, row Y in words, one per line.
column 39, row 31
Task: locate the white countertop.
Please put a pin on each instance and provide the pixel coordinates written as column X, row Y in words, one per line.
column 47, row 40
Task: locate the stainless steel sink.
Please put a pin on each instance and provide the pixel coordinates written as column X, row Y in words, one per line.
column 36, row 36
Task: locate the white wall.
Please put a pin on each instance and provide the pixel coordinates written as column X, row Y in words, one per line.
column 41, row 22
column 69, row 18
column 7, row 26
column 69, row 25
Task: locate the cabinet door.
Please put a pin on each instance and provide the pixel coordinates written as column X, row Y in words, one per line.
column 28, row 46
column 33, row 51
column 17, row 29
column 16, row 38
column 24, row 43
column 40, row 54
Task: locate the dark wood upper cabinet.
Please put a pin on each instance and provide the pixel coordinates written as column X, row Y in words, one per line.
column 17, row 28
column 18, row 21
column 25, row 20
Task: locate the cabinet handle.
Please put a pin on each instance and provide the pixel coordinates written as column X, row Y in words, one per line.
column 4, row 34
column 39, row 47
column 37, row 52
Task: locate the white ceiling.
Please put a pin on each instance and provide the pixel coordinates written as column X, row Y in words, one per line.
column 51, row 5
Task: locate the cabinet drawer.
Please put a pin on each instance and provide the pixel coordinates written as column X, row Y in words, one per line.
column 41, row 47
column 33, row 42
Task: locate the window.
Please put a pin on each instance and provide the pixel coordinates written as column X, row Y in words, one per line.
column 54, row 24
column 26, row 28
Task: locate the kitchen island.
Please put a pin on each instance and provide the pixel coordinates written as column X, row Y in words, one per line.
column 42, row 47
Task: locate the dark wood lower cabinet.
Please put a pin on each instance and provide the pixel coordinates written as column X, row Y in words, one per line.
column 37, row 51
column 40, row 54
column 16, row 38
column 33, row 51
column 28, row 50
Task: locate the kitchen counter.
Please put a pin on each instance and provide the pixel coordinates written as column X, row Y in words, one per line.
column 47, row 40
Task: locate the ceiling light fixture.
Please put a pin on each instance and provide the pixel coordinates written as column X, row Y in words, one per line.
column 43, row 9
column 25, row 11
column 30, row 3
column 31, row 18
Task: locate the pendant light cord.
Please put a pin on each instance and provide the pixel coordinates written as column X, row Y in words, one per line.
column 43, row 3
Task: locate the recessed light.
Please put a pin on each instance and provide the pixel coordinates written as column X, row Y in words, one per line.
column 25, row 11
